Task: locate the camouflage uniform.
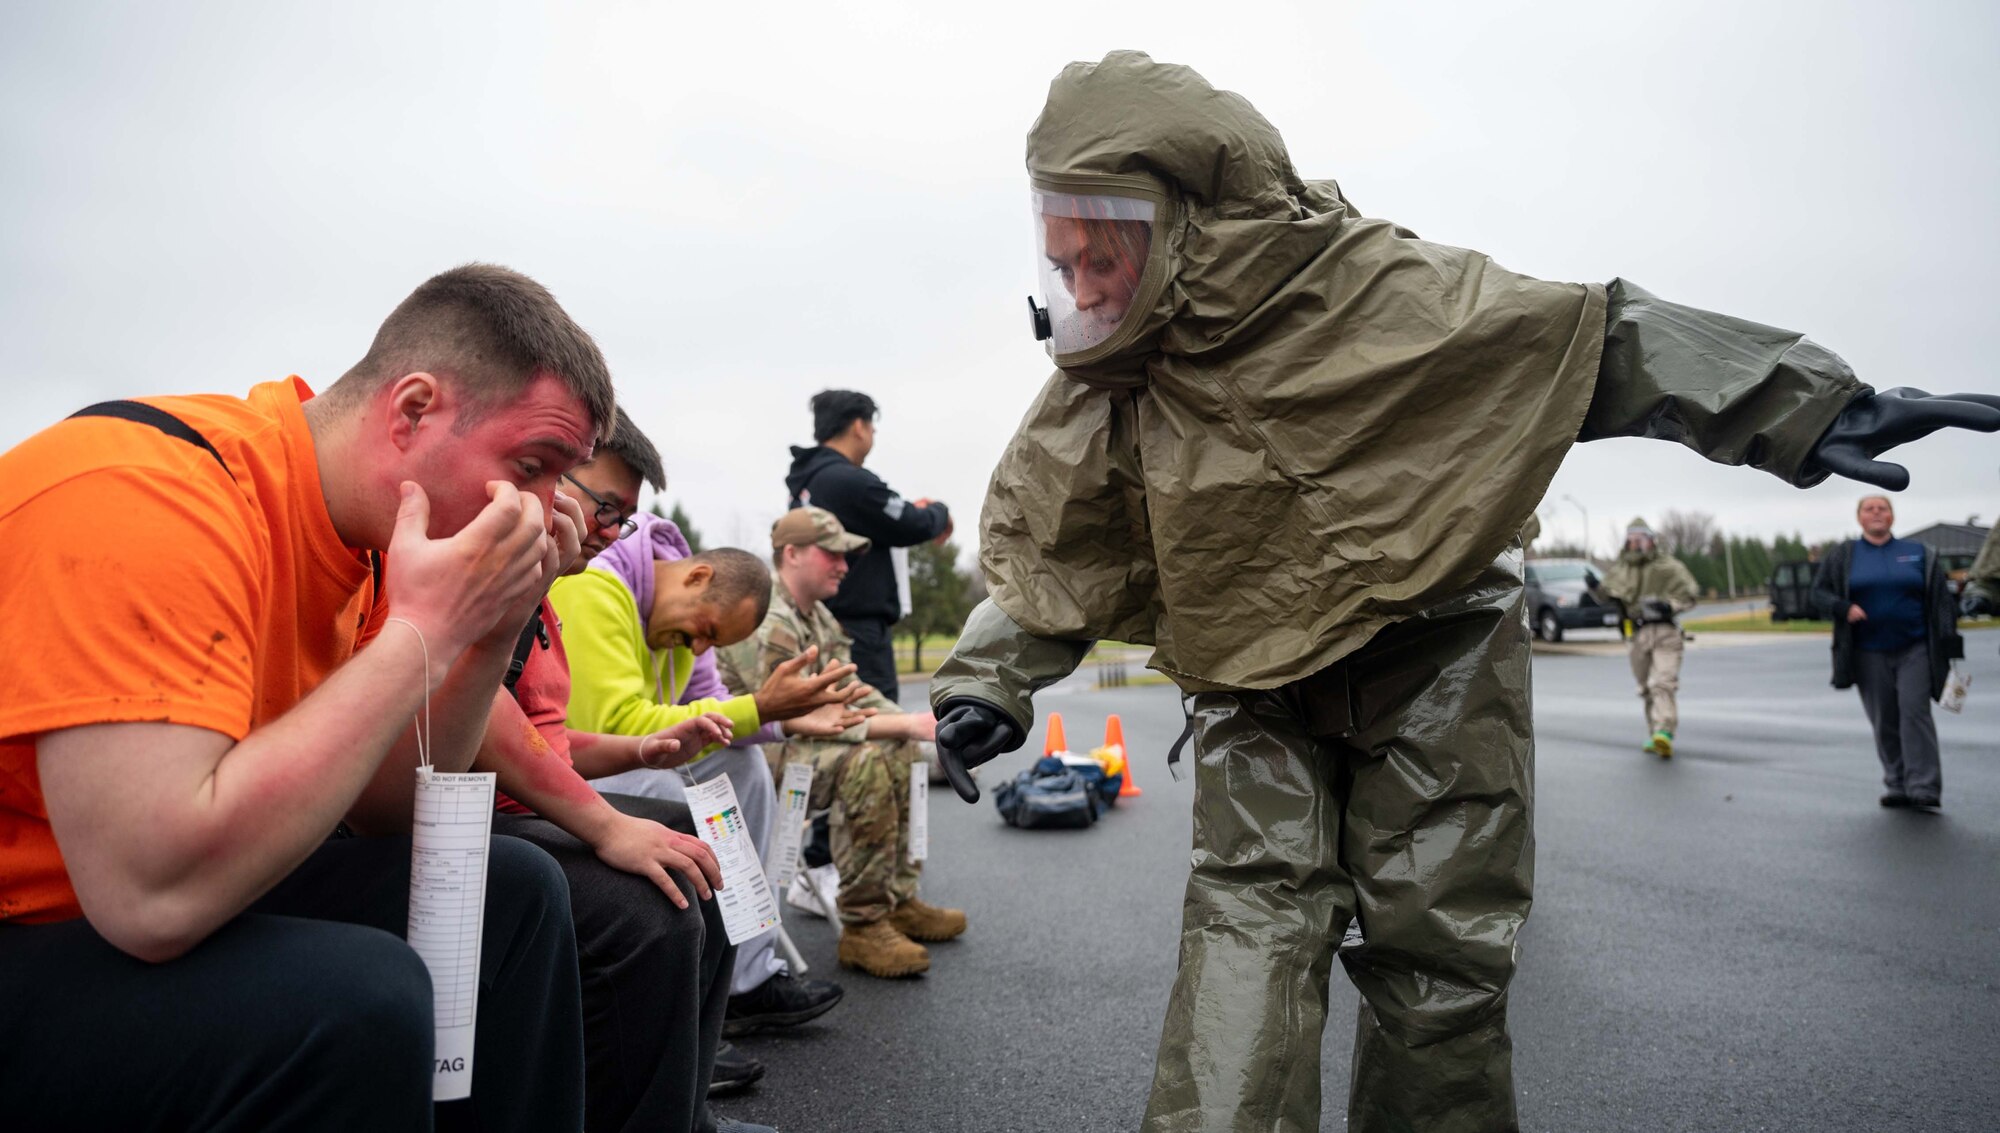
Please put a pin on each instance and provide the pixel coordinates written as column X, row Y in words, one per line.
column 869, row 779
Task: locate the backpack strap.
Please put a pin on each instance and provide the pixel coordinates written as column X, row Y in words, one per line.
column 141, row 413
column 535, row 632
column 165, row 422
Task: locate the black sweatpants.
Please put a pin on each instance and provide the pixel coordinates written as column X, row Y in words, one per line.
column 655, row 980
column 874, row 653
column 306, row 1012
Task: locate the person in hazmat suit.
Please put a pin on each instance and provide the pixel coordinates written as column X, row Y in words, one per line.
column 1655, row 589
column 1291, row 448
column 1982, row 582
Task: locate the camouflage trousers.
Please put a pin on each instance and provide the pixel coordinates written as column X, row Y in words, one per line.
column 866, row 786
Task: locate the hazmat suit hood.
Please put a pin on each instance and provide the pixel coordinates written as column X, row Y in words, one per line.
column 1638, row 526
column 1308, row 424
column 1234, row 220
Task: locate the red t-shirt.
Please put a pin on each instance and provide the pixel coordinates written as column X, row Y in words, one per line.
column 146, row 583
column 543, row 694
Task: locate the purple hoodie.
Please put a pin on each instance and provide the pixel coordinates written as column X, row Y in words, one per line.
column 630, row 560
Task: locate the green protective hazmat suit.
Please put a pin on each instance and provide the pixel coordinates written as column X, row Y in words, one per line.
column 1298, row 469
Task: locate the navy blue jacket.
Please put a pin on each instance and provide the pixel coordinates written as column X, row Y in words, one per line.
column 1830, row 601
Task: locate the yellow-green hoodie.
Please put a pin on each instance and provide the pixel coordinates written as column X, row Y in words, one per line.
column 618, row 684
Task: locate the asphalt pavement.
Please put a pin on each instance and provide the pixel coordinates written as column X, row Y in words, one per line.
column 1738, row 939
column 1729, row 607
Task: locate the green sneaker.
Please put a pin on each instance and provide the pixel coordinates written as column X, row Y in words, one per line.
column 1662, row 745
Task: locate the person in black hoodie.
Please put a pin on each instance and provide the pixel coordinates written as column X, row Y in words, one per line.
column 830, row 475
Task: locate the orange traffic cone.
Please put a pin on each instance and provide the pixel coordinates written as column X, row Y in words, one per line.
column 1055, row 743
column 1114, row 736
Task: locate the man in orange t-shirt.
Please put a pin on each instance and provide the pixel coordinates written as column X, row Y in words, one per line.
column 195, row 703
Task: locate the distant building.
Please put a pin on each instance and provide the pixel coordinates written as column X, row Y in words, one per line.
column 1956, row 543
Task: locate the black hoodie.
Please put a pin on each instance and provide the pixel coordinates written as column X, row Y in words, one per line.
column 822, row 478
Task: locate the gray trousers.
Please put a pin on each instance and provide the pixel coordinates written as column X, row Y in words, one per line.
column 1896, row 692
column 750, row 773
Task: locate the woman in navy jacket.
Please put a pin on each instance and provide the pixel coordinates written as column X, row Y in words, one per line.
column 1895, row 634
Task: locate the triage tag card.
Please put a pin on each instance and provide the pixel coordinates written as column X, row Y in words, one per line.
column 745, row 896
column 920, row 810
column 451, row 833
column 794, row 795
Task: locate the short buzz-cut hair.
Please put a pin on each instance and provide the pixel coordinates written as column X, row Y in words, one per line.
column 491, row 331
column 738, row 575
column 630, row 445
column 832, row 409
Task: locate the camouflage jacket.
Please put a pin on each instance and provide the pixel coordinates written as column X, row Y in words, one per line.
column 787, row 632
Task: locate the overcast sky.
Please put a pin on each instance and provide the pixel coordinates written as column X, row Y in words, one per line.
column 749, row 203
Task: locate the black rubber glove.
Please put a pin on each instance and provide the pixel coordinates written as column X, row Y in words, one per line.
column 1974, row 603
column 970, row 732
column 1874, row 423
column 1657, row 610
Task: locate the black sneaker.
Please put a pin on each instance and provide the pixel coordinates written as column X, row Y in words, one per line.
column 735, row 1072
column 1895, row 799
column 1924, row 803
column 780, row 1001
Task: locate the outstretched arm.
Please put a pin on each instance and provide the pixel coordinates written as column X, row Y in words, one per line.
column 1732, row 390
column 983, row 694
column 1871, row 425
column 1740, row 392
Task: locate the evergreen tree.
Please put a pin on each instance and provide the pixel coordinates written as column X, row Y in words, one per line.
column 1753, row 564
column 1558, row 550
column 940, row 596
column 680, row 518
column 1706, row 569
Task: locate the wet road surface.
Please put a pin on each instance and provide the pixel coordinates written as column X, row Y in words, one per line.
column 1738, row 939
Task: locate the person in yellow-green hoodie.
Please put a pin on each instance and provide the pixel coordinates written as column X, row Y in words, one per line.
column 635, row 621
column 1655, row 589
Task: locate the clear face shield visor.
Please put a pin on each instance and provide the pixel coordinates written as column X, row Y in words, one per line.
column 1093, row 251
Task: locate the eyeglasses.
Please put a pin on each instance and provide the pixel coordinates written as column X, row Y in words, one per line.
column 607, row 514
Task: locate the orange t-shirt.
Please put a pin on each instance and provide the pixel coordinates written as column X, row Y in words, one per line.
column 147, row 583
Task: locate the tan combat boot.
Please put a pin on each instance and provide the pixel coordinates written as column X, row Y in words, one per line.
column 919, row 920
column 878, row 949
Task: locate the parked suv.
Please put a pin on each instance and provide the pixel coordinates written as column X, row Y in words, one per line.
column 1562, row 595
column 1791, row 591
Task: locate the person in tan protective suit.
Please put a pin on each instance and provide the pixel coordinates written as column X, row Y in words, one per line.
column 1655, row 589
column 1982, row 582
column 1291, row 448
